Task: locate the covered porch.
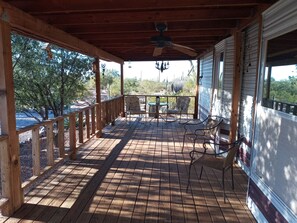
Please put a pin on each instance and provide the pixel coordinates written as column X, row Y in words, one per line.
column 97, row 166
column 136, row 172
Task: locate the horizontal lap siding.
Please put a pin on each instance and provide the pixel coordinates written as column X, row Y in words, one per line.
column 249, row 79
column 205, row 88
column 228, row 79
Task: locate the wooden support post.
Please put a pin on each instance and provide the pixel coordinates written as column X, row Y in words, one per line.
column 50, row 143
column 122, row 91
column 87, row 113
column 197, row 90
column 36, row 151
column 80, row 127
column 98, row 99
column 61, row 137
column 10, row 157
column 236, row 86
column 72, row 136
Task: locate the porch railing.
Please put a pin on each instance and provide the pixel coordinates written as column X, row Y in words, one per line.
column 280, row 106
column 169, row 100
column 44, row 145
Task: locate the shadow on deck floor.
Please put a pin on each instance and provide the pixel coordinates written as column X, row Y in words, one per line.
column 135, row 173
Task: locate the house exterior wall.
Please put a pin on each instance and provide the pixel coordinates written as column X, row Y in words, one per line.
column 221, row 106
column 248, row 90
column 274, row 154
column 205, row 88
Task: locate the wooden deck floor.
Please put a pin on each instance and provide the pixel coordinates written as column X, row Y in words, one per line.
column 136, row 173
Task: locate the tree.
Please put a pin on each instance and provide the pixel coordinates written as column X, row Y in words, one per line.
column 131, row 85
column 44, row 83
column 284, row 90
column 110, row 82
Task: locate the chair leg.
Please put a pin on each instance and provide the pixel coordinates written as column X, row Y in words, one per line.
column 184, row 138
column 189, row 176
column 232, row 177
column 223, row 182
column 201, row 172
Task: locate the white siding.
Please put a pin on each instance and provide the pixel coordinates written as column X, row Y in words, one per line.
column 228, row 79
column 249, row 80
column 275, row 146
column 222, row 106
column 205, row 88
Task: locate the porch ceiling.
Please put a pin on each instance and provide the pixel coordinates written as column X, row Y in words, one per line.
column 124, row 28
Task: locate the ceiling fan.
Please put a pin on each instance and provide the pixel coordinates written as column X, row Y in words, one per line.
column 162, row 41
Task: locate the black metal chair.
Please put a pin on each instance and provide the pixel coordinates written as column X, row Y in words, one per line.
column 206, row 130
column 222, row 161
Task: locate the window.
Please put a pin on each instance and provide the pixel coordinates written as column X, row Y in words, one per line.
column 280, row 80
column 220, row 66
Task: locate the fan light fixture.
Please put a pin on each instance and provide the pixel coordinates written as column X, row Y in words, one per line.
column 162, row 66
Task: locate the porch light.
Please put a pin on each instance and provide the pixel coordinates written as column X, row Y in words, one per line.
column 162, row 66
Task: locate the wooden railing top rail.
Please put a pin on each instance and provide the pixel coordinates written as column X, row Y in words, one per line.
column 43, row 123
column 3, row 137
column 155, row 95
column 111, row 99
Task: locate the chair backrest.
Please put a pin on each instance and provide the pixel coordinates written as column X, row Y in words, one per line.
column 233, row 148
column 132, row 104
column 213, row 125
column 182, row 103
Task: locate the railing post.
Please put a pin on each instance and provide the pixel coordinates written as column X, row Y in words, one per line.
column 196, row 104
column 36, row 151
column 295, row 110
column 72, row 135
column 80, row 127
column 61, row 137
column 50, row 143
column 87, row 114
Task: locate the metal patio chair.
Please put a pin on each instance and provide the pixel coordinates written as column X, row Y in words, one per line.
column 133, row 106
column 181, row 107
column 205, row 130
column 222, row 160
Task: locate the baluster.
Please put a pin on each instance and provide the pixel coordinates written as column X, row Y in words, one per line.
column 93, row 120
column 87, row 113
column 80, row 127
column 72, row 135
column 61, row 137
column 50, row 143
column 36, row 151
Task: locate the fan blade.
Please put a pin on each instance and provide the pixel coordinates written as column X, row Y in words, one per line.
column 157, row 51
column 184, row 49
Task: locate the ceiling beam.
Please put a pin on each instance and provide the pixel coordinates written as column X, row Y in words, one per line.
column 69, row 6
column 25, row 23
column 149, row 26
column 149, row 16
column 148, row 35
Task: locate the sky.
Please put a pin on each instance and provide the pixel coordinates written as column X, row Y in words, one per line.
column 147, row 70
column 283, row 72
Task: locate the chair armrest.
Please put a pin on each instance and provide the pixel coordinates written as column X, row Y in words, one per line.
column 227, row 146
column 195, row 152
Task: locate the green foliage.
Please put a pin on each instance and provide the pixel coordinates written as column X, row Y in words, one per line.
column 43, row 83
column 131, row 86
column 150, row 87
column 284, row 90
